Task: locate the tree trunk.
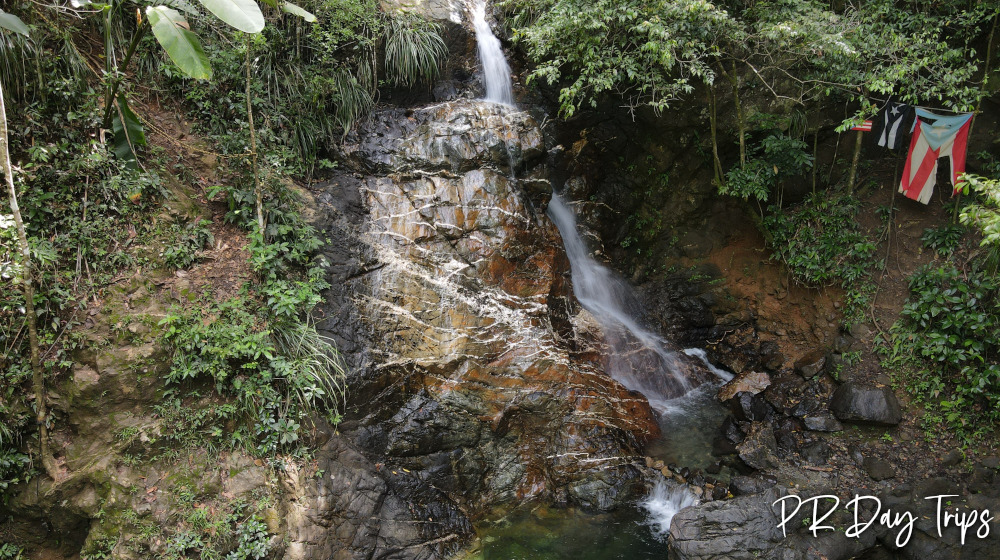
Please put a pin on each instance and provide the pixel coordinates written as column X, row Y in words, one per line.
column 741, row 124
column 27, row 286
column 713, row 116
column 258, row 194
column 815, row 161
column 854, row 163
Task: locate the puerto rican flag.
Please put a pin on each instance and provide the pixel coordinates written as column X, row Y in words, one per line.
column 891, row 125
column 864, row 127
column 934, row 136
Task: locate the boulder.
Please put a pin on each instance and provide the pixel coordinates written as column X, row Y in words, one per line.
column 747, row 407
column 759, row 449
column 878, row 469
column 747, row 527
column 816, row 453
column 853, row 402
column 822, row 423
column 751, row 382
column 811, row 364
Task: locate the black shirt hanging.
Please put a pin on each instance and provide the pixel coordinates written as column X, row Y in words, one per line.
column 891, row 126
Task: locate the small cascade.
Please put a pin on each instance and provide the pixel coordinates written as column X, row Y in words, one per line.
column 637, row 358
column 496, row 71
column 663, row 503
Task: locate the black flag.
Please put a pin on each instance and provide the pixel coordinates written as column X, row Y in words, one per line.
column 892, row 125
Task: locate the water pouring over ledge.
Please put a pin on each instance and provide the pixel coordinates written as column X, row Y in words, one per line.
column 637, row 358
column 496, row 71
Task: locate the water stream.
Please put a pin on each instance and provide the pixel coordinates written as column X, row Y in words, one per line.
column 637, row 358
column 496, row 71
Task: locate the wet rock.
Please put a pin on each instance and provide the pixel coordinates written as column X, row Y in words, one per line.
column 751, row 382
column 445, row 90
column 992, row 463
column 758, row 450
column 747, row 407
column 720, row 492
column 785, row 392
column 811, row 364
column 878, row 469
column 785, row 433
column 771, row 356
column 747, row 527
column 469, row 373
column 731, row 431
column 722, row 446
column 981, row 479
column 857, row 403
column 822, row 423
column 355, row 512
column 455, row 136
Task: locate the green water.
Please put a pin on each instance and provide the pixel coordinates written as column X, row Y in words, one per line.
column 544, row 533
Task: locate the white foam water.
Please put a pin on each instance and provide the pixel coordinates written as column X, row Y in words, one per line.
column 637, row 358
column 700, row 353
column 496, row 71
column 663, row 503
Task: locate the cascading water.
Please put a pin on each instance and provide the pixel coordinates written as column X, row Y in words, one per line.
column 637, row 358
column 496, row 71
column 663, row 502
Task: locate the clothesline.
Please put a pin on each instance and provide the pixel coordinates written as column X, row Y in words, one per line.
column 936, row 109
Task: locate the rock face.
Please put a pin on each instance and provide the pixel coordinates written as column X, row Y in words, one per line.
column 747, row 527
column 471, row 378
column 857, row 403
column 355, row 511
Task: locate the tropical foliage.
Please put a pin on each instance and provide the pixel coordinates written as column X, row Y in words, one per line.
column 92, row 187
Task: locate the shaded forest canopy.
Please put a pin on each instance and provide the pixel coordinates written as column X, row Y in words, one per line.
column 266, row 97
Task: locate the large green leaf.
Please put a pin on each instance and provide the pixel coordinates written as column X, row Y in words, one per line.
column 127, row 135
column 13, row 23
column 183, row 47
column 244, row 15
column 298, row 11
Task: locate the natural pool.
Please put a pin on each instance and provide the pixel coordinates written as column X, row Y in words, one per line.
column 543, row 533
column 639, row 532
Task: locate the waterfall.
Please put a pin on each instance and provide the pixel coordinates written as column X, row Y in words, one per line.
column 496, row 71
column 637, row 358
column 663, row 503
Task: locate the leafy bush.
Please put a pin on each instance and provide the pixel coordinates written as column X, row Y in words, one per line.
column 253, row 541
column 190, row 239
column 414, row 50
column 944, row 240
column 950, row 330
column 278, row 373
column 776, row 158
column 10, row 551
column 821, row 241
column 14, row 468
column 310, row 83
column 822, row 244
column 985, row 216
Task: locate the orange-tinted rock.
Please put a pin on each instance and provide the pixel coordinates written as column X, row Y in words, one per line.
column 464, row 312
